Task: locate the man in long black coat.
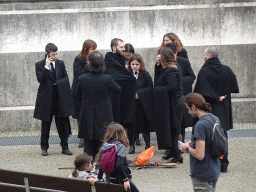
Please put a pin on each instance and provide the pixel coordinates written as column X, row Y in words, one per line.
column 53, row 98
column 216, row 82
column 122, row 104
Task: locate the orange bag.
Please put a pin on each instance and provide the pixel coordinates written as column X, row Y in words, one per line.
column 145, row 156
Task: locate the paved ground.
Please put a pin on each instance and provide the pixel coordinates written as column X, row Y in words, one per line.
column 241, row 174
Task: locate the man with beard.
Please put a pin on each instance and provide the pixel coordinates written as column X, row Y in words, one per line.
column 122, row 104
column 216, row 82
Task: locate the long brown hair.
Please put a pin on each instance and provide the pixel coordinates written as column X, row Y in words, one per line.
column 175, row 39
column 80, row 162
column 168, row 58
column 88, row 44
column 115, row 132
column 197, row 100
column 140, row 60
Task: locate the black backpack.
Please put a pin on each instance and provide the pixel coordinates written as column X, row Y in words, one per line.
column 219, row 143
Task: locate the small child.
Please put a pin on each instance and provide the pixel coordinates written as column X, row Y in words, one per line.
column 122, row 173
column 83, row 166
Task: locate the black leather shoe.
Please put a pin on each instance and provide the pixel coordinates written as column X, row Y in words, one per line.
column 177, row 159
column 66, row 152
column 44, row 152
column 81, row 143
column 167, row 156
column 132, row 150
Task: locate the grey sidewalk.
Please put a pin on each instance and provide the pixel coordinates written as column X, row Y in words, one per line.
column 241, row 174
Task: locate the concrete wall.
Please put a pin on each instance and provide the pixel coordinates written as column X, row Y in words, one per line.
column 27, row 27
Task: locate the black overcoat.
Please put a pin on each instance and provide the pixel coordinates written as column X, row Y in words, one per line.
column 215, row 80
column 45, row 91
column 144, row 105
column 122, row 103
column 188, row 78
column 80, row 67
column 96, row 109
column 164, row 120
column 167, row 94
column 183, row 53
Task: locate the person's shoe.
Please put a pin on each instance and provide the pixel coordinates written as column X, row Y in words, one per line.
column 177, row 159
column 81, row 143
column 44, row 152
column 137, row 142
column 167, row 156
column 66, row 152
column 224, row 169
column 132, row 150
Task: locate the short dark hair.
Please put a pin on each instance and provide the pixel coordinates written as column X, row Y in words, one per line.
column 213, row 51
column 96, row 62
column 114, row 42
column 50, row 47
column 172, row 46
column 129, row 48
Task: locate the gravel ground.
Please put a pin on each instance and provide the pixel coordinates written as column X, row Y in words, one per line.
column 241, row 174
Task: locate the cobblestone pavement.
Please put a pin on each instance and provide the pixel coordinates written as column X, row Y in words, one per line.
column 241, row 174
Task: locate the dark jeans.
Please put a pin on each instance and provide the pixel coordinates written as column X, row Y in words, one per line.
column 92, row 147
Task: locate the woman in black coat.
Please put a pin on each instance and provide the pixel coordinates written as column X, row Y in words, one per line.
column 171, row 77
column 96, row 108
column 144, row 85
column 173, row 38
column 80, row 67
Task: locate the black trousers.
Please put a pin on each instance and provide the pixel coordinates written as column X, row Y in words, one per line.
column 92, row 147
column 179, row 111
column 62, row 124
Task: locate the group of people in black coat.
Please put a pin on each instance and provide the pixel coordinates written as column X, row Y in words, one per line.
column 118, row 88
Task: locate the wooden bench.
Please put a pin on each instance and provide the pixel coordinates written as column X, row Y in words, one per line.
column 17, row 181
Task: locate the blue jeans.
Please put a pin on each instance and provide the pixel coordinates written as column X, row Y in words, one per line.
column 203, row 186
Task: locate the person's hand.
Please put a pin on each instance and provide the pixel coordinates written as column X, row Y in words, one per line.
column 222, row 97
column 136, row 96
column 93, row 181
column 183, row 146
column 48, row 61
column 126, row 185
column 55, row 84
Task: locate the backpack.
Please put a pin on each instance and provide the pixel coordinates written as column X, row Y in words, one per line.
column 219, row 143
column 145, row 156
column 108, row 160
